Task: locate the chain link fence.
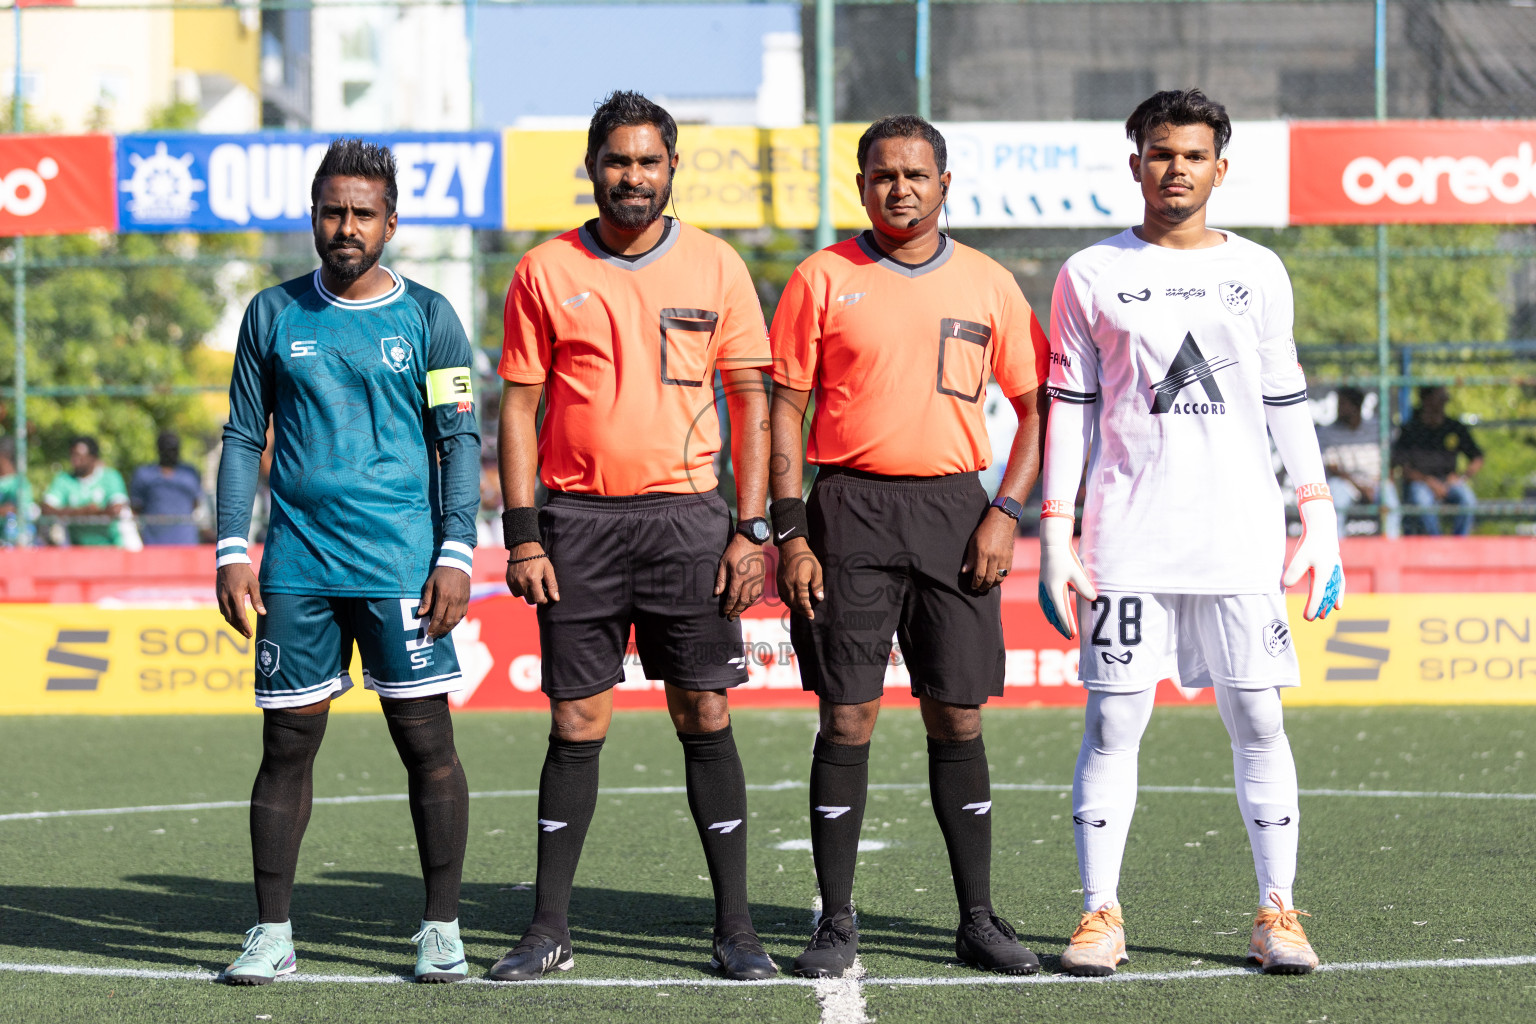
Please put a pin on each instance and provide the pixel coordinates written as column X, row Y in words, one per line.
column 114, row 325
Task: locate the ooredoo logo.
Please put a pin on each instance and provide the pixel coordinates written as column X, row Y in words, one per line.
column 24, row 190
column 56, row 184
column 1406, row 180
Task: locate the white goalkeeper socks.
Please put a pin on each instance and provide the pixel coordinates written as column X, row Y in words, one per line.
column 1104, row 789
column 1265, row 774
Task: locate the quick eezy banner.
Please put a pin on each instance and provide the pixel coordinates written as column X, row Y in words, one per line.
column 261, row 182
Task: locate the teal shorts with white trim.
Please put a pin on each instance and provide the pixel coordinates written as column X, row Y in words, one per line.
column 304, row 650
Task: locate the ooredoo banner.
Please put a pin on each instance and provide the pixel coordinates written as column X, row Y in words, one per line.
column 1413, row 172
column 185, row 182
column 56, row 184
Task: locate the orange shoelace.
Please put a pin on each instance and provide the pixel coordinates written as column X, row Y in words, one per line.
column 1099, row 924
column 1286, row 919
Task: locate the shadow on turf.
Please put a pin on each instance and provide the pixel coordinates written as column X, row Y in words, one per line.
column 363, row 919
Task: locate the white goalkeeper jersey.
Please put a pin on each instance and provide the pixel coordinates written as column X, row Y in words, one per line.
column 1175, row 353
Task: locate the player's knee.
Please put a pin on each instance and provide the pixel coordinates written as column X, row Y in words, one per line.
column 423, row 733
column 698, row 711
column 849, row 725
column 578, row 721
column 951, row 723
column 1115, row 722
column 291, row 736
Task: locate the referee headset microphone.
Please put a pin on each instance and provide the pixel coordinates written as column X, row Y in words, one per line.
column 940, row 205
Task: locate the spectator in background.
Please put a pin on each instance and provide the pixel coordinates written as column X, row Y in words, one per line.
column 167, row 495
column 90, row 493
column 10, row 495
column 1428, row 449
column 1351, row 448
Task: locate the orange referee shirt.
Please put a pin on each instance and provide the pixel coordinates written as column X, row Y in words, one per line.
column 627, row 350
column 898, row 356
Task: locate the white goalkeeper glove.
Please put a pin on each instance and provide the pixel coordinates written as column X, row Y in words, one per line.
column 1317, row 553
column 1060, row 574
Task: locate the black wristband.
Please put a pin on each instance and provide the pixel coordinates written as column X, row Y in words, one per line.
column 789, row 519
column 520, row 526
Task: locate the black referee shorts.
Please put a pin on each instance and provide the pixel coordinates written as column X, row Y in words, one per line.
column 891, row 550
column 647, row 561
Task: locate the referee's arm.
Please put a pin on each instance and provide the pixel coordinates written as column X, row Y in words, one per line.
column 799, row 575
column 517, row 458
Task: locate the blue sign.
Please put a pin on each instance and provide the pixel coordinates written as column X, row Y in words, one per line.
column 261, row 182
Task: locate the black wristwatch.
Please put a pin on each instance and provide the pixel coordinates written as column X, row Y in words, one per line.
column 1010, row 508
column 755, row 530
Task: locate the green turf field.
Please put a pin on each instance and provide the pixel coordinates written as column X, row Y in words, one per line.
column 1409, row 872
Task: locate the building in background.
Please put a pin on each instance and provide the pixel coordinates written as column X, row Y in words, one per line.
column 117, row 70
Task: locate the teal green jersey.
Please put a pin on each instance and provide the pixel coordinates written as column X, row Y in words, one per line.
column 376, row 454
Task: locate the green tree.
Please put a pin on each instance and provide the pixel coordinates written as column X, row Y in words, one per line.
column 119, row 311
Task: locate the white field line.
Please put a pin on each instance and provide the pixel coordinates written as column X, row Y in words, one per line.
column 772, row 787
column 1359, row 967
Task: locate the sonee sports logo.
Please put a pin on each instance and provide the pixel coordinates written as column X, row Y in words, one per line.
column 1190, row 367
column 1272, row 824
column 1141, row 296
column 725, row 827
column 980, row 807
column 1085, row 821
column 831, row 813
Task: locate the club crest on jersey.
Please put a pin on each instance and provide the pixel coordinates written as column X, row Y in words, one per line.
column 396, row 352
column 1277, row 638
column 1235, row 296
column 268, row 654
column 1190, row 367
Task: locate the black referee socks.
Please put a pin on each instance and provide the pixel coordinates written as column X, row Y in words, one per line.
column 567, row 797
column 439, row 797
column 839, row 786
column 280, row 805
column 717, row 796
column 961, row 789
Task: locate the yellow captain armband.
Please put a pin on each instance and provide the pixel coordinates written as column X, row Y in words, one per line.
column 451, row 386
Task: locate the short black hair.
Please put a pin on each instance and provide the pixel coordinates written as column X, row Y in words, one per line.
column 903, row 126
column 91, row 444
column 354, row 158
column 1354, row 396
column 622, row 109
column 1178, row 107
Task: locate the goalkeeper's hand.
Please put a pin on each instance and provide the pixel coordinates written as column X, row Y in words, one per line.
column 1060, row 574
column 1317, row 556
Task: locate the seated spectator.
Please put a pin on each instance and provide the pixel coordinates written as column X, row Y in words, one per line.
column 167, row 495
column 11, row 518
column 1352, row 459
column 1428, row 449
column 88, row 492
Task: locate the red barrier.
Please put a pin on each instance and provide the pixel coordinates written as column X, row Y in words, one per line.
column 1411, row 565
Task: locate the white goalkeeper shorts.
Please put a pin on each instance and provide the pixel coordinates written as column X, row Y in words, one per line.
column 1132, row 641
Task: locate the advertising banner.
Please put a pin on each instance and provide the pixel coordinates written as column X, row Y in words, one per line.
column 1005, row 174
column 261, row 182
column 1413, row 172
column 1076, row 174
column 56, row 184
column 727, row 177
column 1382, row 649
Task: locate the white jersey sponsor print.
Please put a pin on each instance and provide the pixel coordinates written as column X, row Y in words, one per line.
column 1176, row 352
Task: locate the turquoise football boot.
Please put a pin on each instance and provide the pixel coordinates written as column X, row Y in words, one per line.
column 267, row 954
column 439, row 953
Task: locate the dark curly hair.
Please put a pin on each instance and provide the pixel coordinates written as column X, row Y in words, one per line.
column 354, row 158
column 1177, row 107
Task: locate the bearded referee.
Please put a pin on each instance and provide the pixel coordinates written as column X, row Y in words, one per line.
column 620, row 326
column 895, row 332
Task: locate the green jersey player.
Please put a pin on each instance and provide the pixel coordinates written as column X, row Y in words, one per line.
column 364, row 377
